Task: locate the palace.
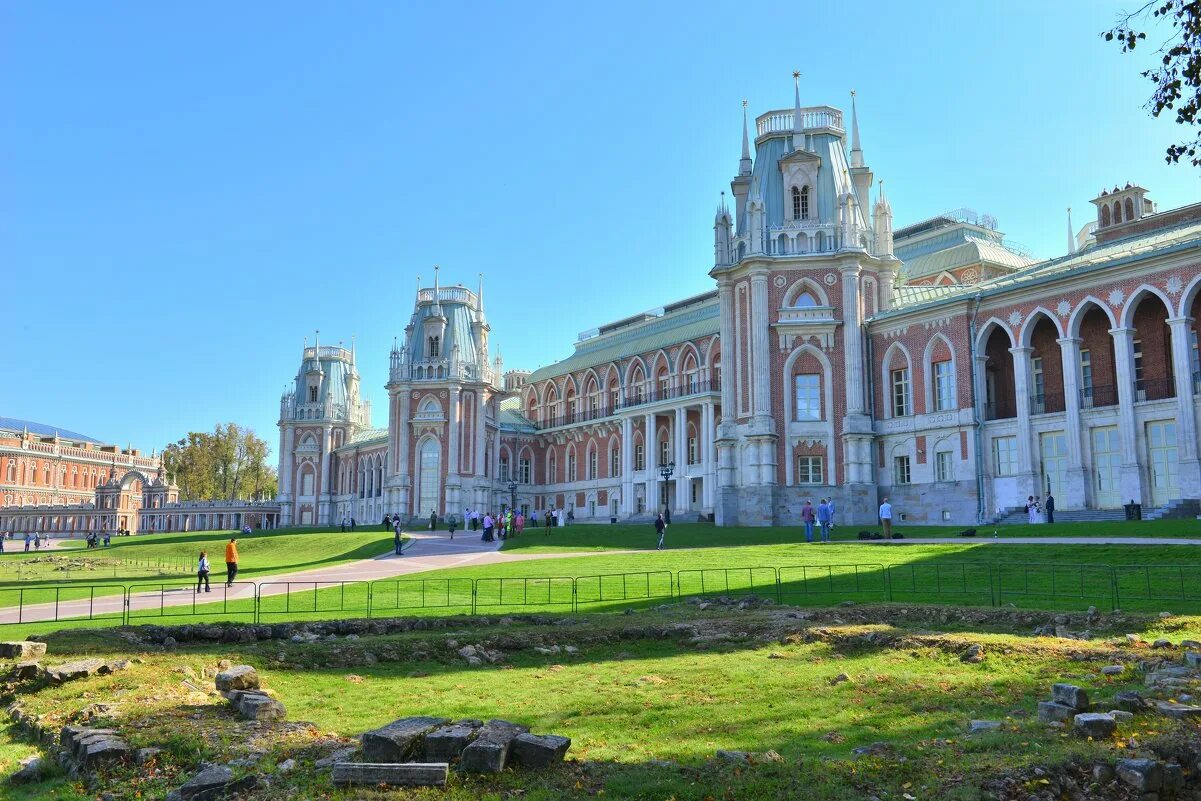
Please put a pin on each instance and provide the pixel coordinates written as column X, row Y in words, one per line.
column 937, row 365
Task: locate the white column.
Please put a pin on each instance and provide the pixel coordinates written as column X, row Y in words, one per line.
column 1075, row 484
column 651, row 463
column 1025, row 437
column 627, row 466
column 452, row 419
column 683, row 482
column 852, row 340
column 1188, row 469
column 708, row 457
column 761, row 358
column 1130, row 477
column 285, row 458
column 481, row 436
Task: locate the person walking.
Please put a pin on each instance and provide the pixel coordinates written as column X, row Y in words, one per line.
column 387, row 523
column 231, row 561
column 396, row 540
column 488, row 522
column 550, row 520
column 823, row 519
column 1049, row 506
column 202, row 572
column 451, row 523
column 433, row 520
column 520, row 523
column 661, row 530
column 807, row 518
column 886, row 518
column 353, row 523
column 28, row 542
column 37, row 542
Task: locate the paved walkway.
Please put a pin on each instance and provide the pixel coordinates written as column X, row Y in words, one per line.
column 1034, row 541
column 425, row 552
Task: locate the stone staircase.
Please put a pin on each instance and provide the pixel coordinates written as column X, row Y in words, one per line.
column 1172, row 510
column 1179, row 509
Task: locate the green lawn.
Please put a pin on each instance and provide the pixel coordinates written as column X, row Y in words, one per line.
column 646, row 712
column 703, row 535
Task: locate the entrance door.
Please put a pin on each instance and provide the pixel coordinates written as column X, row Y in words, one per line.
column 1107, row 460
column 1161, row 460
column 1053, row 446
column 429, row 483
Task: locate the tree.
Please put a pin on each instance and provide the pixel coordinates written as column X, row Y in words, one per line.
column 1177, row 79
column 228, row 464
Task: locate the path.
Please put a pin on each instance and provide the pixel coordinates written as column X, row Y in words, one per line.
column 1034, row 541
column 425, row 552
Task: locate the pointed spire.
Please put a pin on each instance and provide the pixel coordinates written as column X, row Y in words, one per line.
column 744, row 165
column 480, row 295
column 856, row 150
column 881, row 200
column 1071, row 234
column 798, row 125
column 352, row 350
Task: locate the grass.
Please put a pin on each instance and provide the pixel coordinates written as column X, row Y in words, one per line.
column 645, row 711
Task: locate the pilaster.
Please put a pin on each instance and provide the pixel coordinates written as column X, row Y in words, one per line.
column 1075, row 488
column 1130, row 476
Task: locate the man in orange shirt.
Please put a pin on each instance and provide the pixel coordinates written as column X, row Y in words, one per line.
column 231, row 561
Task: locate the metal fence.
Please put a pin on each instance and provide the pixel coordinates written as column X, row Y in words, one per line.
column 1038, row 585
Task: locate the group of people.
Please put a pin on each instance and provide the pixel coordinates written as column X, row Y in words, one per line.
column 822, row 516
column 1040, row 510
column 231, row 566
column 348, row 524
column 93, row 539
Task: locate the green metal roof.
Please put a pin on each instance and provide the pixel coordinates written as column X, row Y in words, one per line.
column 673, row 327
column 366, row 438
column 511, row 418
column 974, row 251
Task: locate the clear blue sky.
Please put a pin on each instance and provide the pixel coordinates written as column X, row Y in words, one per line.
column 189, row 190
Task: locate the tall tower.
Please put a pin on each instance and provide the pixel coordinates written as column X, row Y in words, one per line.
column 798, row 269
column 442, row 404
column 320, row 412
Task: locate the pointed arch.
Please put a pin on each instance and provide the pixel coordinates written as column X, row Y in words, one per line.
column 935, row 401
column 898, row 401
column 985, row 331
column 1137, row 297
column 794, row 297
column 614, row 456
column 1032, row 320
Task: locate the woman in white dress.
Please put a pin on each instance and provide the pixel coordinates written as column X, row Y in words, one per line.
column 1033, row 511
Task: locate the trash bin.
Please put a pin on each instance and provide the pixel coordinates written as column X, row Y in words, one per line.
column 1134, row 511
column 612, row 519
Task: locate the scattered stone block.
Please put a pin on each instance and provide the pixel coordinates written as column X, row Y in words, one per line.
column 1069, row 695
column 340, row 755
column 1130, row 701
column 1161, row 644
column 540, row 751
column 1113, row 670
column 408, row 774
column 89, row 746
column 490, row 750
column 22, row 650
column 738, row 757
column 983, row 725
column 1097, row 725
column 1192, row 658
column 70, row 671
column 238, row 677
column 973, row 655
column 397, row 741
column 1178, row 711
column 1144, row 775
column 1103, row 773
column 1173, row 778
column 1052, row 712
column 213, row 782
column 23, row 670
column 446, row 743
column 1191, row 644
column 261, row 708
column 32, row 770
column 144, row 755
column 1121, row 715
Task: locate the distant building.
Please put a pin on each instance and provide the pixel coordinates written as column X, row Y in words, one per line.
column 938, row 365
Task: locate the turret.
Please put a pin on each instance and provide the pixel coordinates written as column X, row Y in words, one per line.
column 722, row 235
column 480, row 328
column 882, row 225
column 861, row 176
column 434, row 329
column 798, row 118
column 741, row 185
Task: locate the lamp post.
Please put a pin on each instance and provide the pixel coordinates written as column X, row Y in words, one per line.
column 513, row 496
column 666, row 470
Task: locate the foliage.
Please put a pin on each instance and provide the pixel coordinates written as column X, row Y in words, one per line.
column 1177, row 79
column 228, row 464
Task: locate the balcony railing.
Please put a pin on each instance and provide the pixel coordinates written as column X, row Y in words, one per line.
column 1098, row 396
column 1152, row 389
column 1000, row 410
column 1046, row 403
column 670, row 393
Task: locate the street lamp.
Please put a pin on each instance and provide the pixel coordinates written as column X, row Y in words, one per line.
column 666, row 471
column 513, row 496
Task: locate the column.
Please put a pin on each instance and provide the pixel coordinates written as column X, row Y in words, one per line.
column 683, row 480
column 761, row 358
column 627, row 466
column 402, row 453
column 481, row 440
column 1130, row 477
column 729, row 357
column 852, row 340
column 650, row 449
column 708, row 457
column 1027, row 482
column 1076, row 482
column 1188, row 475
column 452, row 448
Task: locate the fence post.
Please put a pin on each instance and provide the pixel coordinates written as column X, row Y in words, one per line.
column 474, row 582
column 887, row 583
column 779, row 589
column 257, row 618
column 1114, row 598
column 125, row 606
column 370, row 587
column 575, row 604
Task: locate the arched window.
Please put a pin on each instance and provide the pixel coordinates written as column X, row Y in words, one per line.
column 1117, row 212
column 312, row 394
column 804, row 300
column 428, row 483
column 1129, row 209
column 1104, row 215
column 552, row 467
column 804, row 215
column 796, row 203
column 435, row 347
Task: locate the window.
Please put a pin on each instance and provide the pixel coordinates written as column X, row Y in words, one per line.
column 571, row 410
column 1005, row 455
column 552, row 469
column 435, row 347
column 804, row 300
column 809, row 470
column 900, row 392
column 504, row 468
column 1086, row 374
column 900, row 470
column 614, row 398
column 944, row 387
column 943, row 466
column 808, row 397
column 1129, row 209
column 664, row 384
column 804, row 202
column 614, row 461
column 692, row 450
column 639, row 457
column 306, row 483
column 691, row 382
column 1138, row 360
column 571, row 467
column 664, row 452
column 1104, row 215
column 796, row 203
column 312, row 394
column 592, row 463
column 1037, row 378
column 1117, row 211
column 1194, row 354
